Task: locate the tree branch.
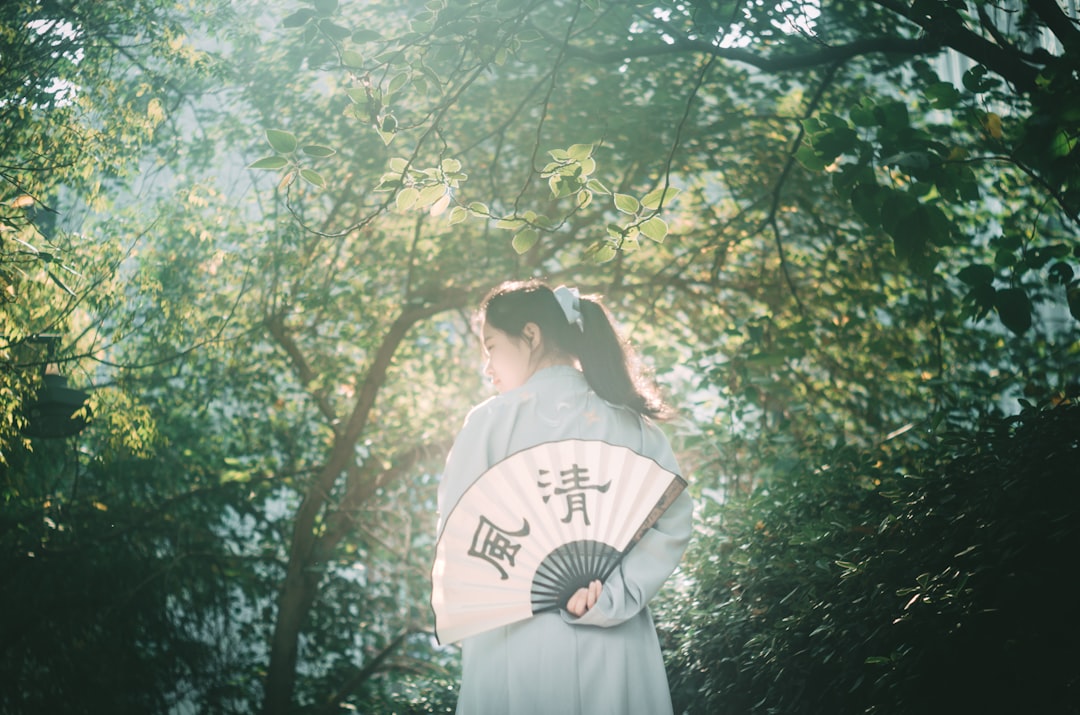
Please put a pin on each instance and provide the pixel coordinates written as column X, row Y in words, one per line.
column 276, row 325
column 782, row 63
column 1006, row 62
column 369, row 669
column 1063, row 27
column 362, row 483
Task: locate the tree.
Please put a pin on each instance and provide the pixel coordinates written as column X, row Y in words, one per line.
column 85, row 90
column 890, row 580
column 905, row 208
column 785, row 204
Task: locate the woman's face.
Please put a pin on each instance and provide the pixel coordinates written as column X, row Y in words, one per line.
column 508, row 359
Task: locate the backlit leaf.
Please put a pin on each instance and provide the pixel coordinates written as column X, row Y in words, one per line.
column 525, row 239
column 655, row 228
column 281, row 141
column 626, row 203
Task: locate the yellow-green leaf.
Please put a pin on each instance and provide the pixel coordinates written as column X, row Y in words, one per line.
column 458, row 214
column 430, row 194
column 655, row 228
column 525, row 239
column 406, row 198
column 626, row 203
column 659, row 196
column 580, row 152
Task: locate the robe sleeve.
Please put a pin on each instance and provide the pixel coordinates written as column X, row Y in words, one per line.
column 643, row 571
column 469, row 457
column 628, row 590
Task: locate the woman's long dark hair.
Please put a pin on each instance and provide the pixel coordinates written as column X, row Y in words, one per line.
column 610, row 366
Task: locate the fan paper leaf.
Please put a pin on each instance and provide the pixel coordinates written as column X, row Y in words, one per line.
column 539, row 525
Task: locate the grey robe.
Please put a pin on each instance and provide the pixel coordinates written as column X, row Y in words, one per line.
column 607, row 662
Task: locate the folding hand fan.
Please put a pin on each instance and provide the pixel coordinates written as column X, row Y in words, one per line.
column 539, row 525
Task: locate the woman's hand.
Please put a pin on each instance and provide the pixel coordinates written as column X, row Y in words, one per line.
column 584, row 599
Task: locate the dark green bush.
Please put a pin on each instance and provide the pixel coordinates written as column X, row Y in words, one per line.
column 893, row 581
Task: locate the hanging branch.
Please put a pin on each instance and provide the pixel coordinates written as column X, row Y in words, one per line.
column 815, row 101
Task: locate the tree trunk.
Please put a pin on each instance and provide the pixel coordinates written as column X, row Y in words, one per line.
column 297, row 595
column 302, row 578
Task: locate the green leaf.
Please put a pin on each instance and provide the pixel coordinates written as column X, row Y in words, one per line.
column 298, row 18
column 893, row 115
column 626, row 203
column 942, row 95
column 975, row 80
column 479, row 208
column 580, row 152
column 363, row 35
column 269, row 163
column 863, row 116
column 1004, row 258
column 458, row 214
column 509, row 224
column 655, row 229
column 318, row 150
column 558, row 187
column 897, row 211
column 809, row 158
column 834, row 142
column 866, row 200
column 450, row 166
column 352, row 59
column 1072, row 296
column 976, row 274
column 981, row 296
column 399, row 81
column 659, row 196
column 602, row 252
column 525, row 239
column 1064, row 144
column 596, row 186
column 325, row 8
column 281, row 141
column 430, row 194
column 406, row 198
column 1060, row 274
column 63, row 286
column 313, row 177
column 1013, row 309
column 334, row 31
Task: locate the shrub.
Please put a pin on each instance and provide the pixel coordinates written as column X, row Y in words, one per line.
column 893, row 581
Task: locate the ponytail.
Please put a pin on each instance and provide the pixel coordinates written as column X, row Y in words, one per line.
column 584, row 331
column 610, row 365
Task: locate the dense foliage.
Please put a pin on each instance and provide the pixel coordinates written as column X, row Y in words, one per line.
column 892, row 580
column 256, row 230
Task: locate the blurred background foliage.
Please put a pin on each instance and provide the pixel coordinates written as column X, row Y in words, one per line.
column 843, row 236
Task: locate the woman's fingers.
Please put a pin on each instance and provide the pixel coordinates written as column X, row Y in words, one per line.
column 584, row 599
column 594, row 594
column 577, row 605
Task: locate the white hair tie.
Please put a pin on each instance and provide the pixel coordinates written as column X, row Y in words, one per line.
column 570, row 302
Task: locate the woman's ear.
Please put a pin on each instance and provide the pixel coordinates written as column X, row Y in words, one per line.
column 533, row 335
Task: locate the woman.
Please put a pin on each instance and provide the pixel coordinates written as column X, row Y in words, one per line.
column 563, row 373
